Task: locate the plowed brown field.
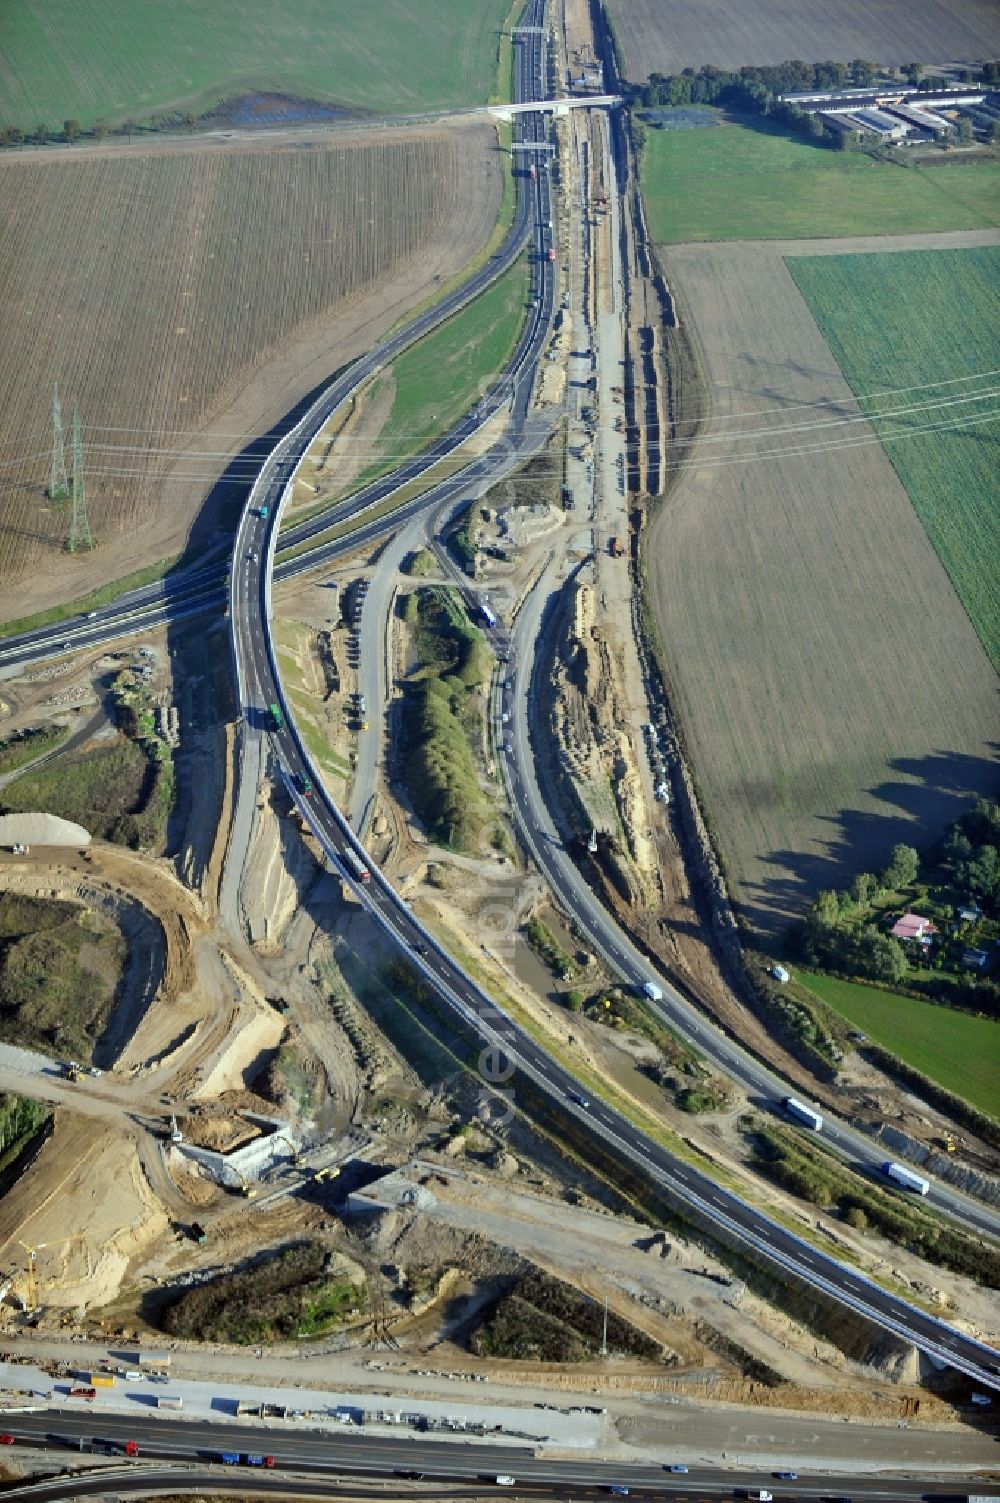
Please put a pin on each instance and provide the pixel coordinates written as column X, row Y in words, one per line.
column 183, row 300
column 835, row 696
column 664, row 36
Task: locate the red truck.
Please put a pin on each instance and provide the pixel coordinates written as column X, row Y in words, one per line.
column 83, row 1393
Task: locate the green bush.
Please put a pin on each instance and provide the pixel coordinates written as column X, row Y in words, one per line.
column 441, row 709
column 541, row 1319
column 59, row 969
column 546, row 947
column 825, row 1182
column 286, row 1296
column 29, row 744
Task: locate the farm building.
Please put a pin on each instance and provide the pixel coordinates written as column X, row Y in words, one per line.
column 838, row 99
column 913, row 928
column 844, row 125
column 884, row 125
column 922, row 119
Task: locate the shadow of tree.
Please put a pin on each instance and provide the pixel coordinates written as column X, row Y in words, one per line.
column 927, row 795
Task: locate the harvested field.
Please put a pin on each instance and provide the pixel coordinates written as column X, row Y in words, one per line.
column 754, row 181
column 930, row 313
column 657, row 38
column 90, row 58
column 834, row 694
column 184, row 300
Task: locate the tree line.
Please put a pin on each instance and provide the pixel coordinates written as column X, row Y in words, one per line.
column 72, row 130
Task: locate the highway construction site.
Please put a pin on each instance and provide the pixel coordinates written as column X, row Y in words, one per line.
column 273, row 1073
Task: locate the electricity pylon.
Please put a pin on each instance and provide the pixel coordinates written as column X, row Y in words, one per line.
column 58, row 479
column 79, row 528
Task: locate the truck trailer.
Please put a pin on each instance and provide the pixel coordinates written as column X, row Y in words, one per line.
column 803, row 1113
column 900, row 1175
column 355, row 866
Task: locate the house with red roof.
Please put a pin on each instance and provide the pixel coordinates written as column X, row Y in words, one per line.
column 913, row 928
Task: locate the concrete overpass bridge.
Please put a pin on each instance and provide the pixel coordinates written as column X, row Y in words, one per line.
column 555, row 107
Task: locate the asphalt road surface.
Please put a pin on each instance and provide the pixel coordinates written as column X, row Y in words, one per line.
column 355, row 1454
column 260, row 688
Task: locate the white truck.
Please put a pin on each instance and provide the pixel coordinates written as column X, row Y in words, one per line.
column 803, row 1113
column 906, row 1177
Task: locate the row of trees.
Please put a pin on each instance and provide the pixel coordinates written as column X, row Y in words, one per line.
column 72, row 130
column 710, row 85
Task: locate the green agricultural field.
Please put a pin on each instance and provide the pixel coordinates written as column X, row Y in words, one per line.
column 122, row 59
column 739, row 183
column 916, row 336
column 959, row 1051
column 441, row 377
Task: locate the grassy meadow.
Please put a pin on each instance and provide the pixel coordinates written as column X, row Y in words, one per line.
column 129, row 59
column 916, row 336
column 439, row 378
column 959, row 1051
column 741, row 183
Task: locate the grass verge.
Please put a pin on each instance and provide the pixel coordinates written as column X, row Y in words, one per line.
column 28, row 746
column 440, row 377
column 92, row 602
column 783, row 1157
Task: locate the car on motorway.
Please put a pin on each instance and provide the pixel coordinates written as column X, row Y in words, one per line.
column 580, row 1100
column 787, row 1476
column 678, row 1467
column 617, row 1490
column 6, row 1440
column 409, row 1475
column 91, row 615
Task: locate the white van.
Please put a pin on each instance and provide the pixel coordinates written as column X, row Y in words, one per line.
column 652, row 991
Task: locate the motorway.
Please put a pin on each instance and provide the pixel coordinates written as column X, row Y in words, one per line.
column 328, row 1458
column 259, row 684
column 260, row 687
column 192, row 593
